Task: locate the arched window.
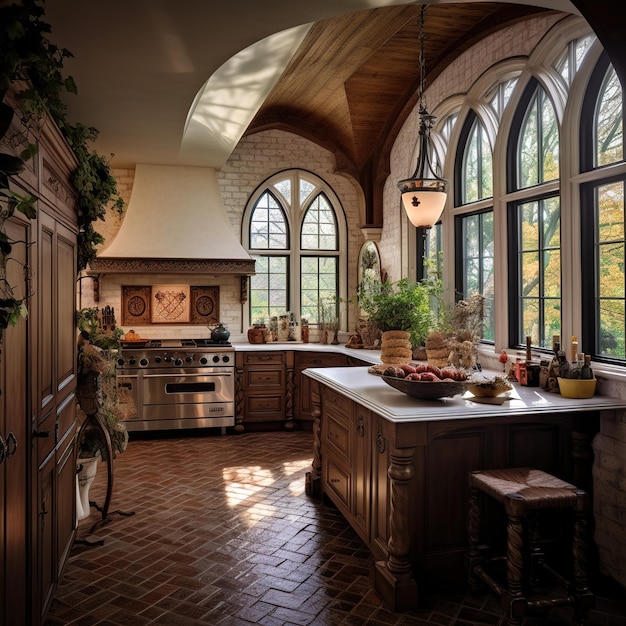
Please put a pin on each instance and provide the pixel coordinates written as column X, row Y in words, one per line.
column 295, row 232
column 474, row 233
column 608, row 122
column 535, row 221
column 477, row 176
column 500, row 96
column 538, row 147
column 570, row 61
column 603, row 238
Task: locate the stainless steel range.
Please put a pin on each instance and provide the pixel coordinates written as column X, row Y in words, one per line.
column 167, row 384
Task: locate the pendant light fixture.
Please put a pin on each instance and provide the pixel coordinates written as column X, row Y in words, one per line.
column 424, row 194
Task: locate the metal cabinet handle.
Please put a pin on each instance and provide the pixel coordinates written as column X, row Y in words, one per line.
column 3, row 450
column 11, row 446
column 360, row 426
column 41, row 433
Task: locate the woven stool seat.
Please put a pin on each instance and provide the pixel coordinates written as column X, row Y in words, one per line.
column 537, row 489
column 524, row 492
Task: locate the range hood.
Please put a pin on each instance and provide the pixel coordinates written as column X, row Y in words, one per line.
column 175, row 222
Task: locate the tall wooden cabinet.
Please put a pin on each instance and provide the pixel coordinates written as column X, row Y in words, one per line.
column 38, row 382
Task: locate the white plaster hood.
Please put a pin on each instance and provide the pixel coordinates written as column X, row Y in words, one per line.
column 175, row 222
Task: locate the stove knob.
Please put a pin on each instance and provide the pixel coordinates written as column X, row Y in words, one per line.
column 203, row 360
column 216, row 359
column 157, row 359
column 120, row 362
column 189, row 358
column 143, row 362
column 132, row 360
column 178, row 362
column 226, row 358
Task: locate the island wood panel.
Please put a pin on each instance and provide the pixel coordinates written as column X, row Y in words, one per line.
column 302, row 392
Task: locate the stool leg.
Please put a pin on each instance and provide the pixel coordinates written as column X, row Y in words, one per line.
column 535, row 554
column 473, row 533
column 583, row 598
column 513, row 601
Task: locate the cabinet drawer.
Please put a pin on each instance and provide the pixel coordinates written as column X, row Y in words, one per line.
column 265, row 408
column 337, row 435
column 321, row 360
column 337, row 482
column 334, row 402
column 265, row 378
column 264, row 358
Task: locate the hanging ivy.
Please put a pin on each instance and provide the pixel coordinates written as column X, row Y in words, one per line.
column 28, row 56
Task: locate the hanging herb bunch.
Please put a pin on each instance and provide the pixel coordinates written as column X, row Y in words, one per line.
column 34, row 67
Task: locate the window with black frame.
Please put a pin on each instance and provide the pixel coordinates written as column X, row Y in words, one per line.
column 535, row 221
column 474, row 233
column 603, row 240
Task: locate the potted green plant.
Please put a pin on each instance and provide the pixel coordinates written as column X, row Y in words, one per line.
column 402, row 305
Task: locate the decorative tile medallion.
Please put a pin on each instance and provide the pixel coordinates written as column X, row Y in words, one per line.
column 205, row 305
column 170, row 304
column 135, row 305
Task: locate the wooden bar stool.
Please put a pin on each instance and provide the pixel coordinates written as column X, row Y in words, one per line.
column 524, row 493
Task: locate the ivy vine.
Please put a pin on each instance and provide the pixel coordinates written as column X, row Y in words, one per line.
column 35, row 65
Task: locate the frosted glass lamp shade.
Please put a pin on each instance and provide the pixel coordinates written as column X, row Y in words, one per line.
column 423, row 205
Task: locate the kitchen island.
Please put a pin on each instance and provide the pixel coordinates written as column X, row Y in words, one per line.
column 397, row 467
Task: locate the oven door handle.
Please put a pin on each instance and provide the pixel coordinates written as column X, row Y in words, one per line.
column 190, row 375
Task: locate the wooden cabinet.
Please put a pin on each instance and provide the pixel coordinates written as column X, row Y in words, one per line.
column 271, row 389
column 37, row 385
column 264, row 389
column 402, row 484
column 346, row 439
column 15, row 447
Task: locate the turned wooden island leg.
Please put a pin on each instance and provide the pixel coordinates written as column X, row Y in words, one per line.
column 393, row 578
column 313, row 486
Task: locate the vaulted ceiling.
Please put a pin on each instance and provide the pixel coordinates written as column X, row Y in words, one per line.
column 354, row 78
column 349, row 86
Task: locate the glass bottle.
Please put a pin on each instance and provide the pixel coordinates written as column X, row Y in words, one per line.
column 564, row 368
column 585, row 371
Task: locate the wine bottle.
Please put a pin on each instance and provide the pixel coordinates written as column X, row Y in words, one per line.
column 529, row 355
column 585, row 371
column 564, row 368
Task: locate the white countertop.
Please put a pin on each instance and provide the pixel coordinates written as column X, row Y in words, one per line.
column 369, row 356
column 375, row 394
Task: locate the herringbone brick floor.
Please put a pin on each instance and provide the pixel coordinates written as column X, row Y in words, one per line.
column 223, row 533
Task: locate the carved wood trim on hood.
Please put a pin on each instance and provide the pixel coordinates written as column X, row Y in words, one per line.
column 172, row 266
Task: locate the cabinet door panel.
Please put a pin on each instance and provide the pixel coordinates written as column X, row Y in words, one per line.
column 448, row 462
column 66, row 286
column 65, row 504
column 47, row 306
column 14, row 426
